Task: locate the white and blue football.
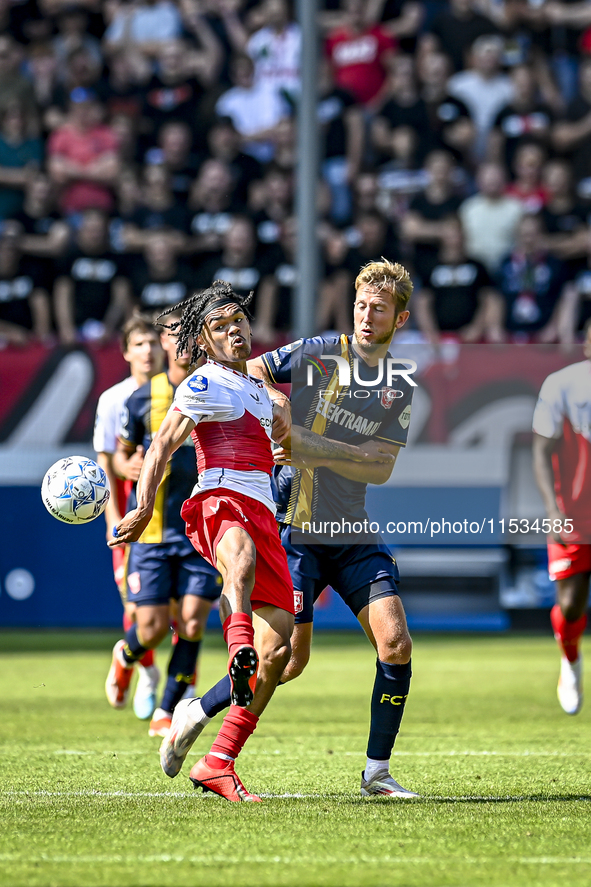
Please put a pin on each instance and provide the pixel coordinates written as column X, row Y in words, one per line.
column 75, row 490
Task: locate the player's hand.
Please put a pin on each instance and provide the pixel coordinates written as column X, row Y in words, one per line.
column 373, row 452
column 281, row 420
column 133, row 466
column 130, row 528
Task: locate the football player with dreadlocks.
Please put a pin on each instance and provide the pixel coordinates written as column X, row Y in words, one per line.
column 230, row 520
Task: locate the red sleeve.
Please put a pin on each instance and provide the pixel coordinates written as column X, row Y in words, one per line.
column 109, row 140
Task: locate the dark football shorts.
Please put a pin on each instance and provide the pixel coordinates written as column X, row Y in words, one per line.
column 360, row 574
column 159, row 571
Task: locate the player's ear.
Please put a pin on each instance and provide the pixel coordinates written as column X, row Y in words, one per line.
column 401, row 319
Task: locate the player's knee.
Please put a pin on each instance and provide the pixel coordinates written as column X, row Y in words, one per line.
column 153, row 633
column 296, row 665
column 194, row 630
column 397, row 649
column 275, row 658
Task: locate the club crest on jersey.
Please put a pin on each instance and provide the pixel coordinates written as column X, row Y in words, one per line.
column 404, row 417
column 388, row 396
column 198, row 383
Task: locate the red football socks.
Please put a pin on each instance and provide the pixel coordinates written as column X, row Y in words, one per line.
column 567, row 634
column 148, row 657
column 236, row 727
column 238, row 632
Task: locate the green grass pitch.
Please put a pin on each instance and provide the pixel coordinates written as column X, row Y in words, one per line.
column 504, row 775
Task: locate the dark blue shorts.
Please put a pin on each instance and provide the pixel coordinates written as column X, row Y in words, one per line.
column 159, row 571
column 358, row 573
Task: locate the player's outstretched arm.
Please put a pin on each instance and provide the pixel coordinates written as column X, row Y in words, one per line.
column 309, row 443
column 171, row 434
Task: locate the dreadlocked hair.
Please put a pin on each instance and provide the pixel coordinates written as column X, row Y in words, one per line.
column 193, row 311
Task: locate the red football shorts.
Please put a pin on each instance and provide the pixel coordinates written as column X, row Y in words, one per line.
column 209, row 515
column 567, row 560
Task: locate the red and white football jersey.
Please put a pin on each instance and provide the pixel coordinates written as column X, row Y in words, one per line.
column 233, row 416
column 563, row 412
column 107, row 427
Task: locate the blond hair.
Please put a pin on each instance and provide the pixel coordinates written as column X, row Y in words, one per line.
column 389, row 276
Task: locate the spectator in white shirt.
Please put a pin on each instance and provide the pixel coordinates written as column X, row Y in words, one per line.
column 490, row 217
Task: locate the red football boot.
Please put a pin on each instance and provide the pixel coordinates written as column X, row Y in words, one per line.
column 222, row 781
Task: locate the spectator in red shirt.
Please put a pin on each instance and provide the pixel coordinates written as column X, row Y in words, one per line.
column 527, row 187
column 360, row 55
column 83, row 156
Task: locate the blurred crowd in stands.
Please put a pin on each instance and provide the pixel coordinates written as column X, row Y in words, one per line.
column 149, row 147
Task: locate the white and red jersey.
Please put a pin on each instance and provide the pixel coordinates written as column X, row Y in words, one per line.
column 109, row 412
column 107, row 427
column 563, row 412
column 233, row 415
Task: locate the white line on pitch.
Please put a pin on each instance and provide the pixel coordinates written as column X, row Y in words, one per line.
column 118, row 859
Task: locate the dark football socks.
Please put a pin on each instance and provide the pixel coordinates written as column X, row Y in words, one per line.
column 180, row 672
column 133, row 651
column 390, row 690
column 218, row 698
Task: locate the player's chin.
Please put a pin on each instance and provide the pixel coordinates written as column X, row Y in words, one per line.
column 241, row 349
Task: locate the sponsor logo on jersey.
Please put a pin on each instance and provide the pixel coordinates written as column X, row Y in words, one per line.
column 198, row 383
column 340, row 416
column 265, row 423
column 388, row 396
column 404, row 417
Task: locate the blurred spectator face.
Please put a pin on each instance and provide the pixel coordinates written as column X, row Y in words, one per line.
column 435, row 69
column 453, row 236
column 285, row 133
column 276, row 14
column 158, row 253
column 439, row 165
column 486, row 55
column 214, row 179
column 556, row 178
column 8, row 56
column 14, row 122
column 278, row 187
column 528, row 163
column 366, row 191
column 372, row 228
column 175, row 141
column 402, row 79
column 524, row 83
column 85, row 111
column 72, row 22
column 336, row 247
column 404, row 144
column 171, row 60
column 239, row 239
column 242, row 71
column 288, row 237
column 491, row 180
column 156, row 180
column 223, row 140
column 92, row 233
column 461, row 7
column 528, row 235
column 355, row 13
column 120, row 69
column 81, row 68
column 42, row 62
column 39, row 190
column 124, row 127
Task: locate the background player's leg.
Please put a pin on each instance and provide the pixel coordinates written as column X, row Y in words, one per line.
column 191, row 622
column 301, row 644
column 384, row 622
column 569, row 619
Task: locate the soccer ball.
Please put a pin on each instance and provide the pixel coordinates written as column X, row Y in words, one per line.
column 75, row 490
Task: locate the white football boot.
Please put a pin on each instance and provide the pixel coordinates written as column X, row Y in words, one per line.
column 144, row 699
column 188, row 721
column 570, row 685
column 383, row 784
